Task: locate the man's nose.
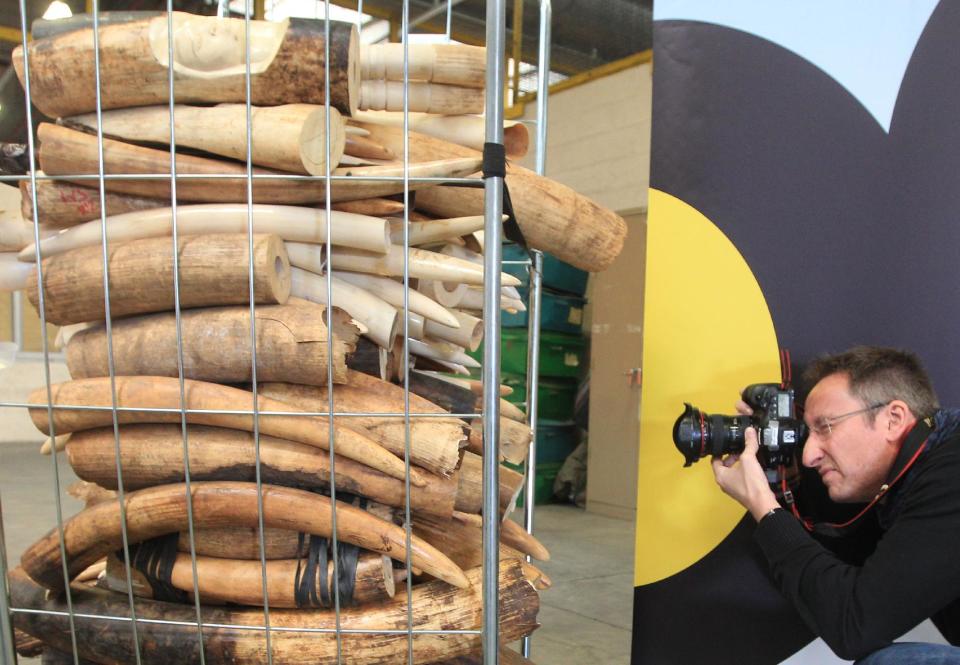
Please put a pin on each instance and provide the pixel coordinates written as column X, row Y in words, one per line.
column 812, row 452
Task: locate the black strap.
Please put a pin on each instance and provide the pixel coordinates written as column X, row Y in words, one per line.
column 155, row 559
column 311, row 587
column 911, row 449
column 494, row 160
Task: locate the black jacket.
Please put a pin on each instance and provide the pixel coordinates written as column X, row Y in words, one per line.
column 912, row 574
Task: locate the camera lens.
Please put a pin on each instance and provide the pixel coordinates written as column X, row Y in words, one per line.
column 697, row 434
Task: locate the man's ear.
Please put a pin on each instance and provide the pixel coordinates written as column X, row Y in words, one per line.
column 899, row 419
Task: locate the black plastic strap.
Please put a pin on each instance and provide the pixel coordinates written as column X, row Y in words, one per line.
column 495, row 166
column 317, row 570
column 155, row 559
column 511, row 228
column 494, row 160
column 311, row 585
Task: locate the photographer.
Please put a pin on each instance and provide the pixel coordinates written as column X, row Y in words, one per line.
column 877, row 436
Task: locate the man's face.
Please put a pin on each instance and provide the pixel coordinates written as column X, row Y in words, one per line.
column 854, row 457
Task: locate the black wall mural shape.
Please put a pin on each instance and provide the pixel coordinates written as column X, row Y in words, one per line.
column 853, row 235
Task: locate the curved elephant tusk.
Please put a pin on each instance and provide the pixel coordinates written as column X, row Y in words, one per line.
column 441, row 351
column 378, row 316
column 152, row 512
column 421, row 264
column 289, row 222
column 289, row 137
column 437, row 230
column 392, row 292
column 158, row 392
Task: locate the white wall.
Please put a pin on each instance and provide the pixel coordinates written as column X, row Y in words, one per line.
column 598, row 138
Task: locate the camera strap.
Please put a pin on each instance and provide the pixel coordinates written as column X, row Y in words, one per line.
column 913, row 446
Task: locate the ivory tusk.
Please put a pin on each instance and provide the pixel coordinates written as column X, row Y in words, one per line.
column 448, row 353
column 378, row 316
column 553, row 217
column 159, row 510
column 68, row 152
column 365, row 148
column 61, row 204
column 66, row 333
column 209, row 64
column 172, row 640
column 463, row 296
column 154, row 455
column 471, row 384
column 213, row 271
column 422, row 264
column 240, row 581
column 510, row 292
column 350, row 160
column 392, row 292
column 289, row 137
column 50, row 444
column 437, row 230
column 289, row 222
column 415, row 325
column 419, row 96
column 376, row 207
column 15, row 234
column 446, row 366
column 292, row 344
column 468, row 334
column 466, row 130
column 448, row 294
column 14, row 275
column 140, row 392
column 454, row 64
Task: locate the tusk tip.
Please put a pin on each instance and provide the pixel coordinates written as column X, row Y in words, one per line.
column 417, row 479
column 458, row 579
column 506, row 279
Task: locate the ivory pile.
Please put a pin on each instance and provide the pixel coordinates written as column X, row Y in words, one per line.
column 229, row 312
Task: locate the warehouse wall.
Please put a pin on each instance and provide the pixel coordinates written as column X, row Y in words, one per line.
column 598, row 143
column 598, row 138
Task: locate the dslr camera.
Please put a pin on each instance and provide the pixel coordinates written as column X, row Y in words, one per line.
column 781, row 434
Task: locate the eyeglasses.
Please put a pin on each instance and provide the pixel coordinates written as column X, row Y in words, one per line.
column 824, row 426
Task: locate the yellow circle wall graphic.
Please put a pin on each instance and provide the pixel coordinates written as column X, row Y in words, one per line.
column 707, row 334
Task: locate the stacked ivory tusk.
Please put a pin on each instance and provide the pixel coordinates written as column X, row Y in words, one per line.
column 264, row 354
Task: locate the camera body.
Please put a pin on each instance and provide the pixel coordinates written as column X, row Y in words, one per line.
column 781, row 434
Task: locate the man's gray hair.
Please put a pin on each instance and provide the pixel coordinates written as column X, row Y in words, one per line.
column 879, row 375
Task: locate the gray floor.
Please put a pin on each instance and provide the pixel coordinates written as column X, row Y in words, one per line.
column 585, row 616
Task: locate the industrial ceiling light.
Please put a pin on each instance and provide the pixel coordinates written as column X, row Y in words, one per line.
column 57, row 9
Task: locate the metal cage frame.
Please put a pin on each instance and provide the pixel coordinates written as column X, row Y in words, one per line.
column 491, row 316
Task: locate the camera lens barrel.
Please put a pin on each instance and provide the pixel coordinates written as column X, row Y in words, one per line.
column 697, row 435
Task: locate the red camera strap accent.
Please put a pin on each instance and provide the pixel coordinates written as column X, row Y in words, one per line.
column 811, row 526
column 786, row 369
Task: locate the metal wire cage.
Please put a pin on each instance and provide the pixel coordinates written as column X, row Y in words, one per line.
column 490, row 414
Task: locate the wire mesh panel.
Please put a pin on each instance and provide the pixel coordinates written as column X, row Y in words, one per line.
column 251, row 273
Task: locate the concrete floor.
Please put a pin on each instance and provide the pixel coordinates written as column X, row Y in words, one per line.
column 585, row 616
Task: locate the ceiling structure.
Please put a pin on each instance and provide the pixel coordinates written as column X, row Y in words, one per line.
column 585, row 34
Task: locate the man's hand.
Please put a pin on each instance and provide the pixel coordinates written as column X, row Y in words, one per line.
column 742, row 478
